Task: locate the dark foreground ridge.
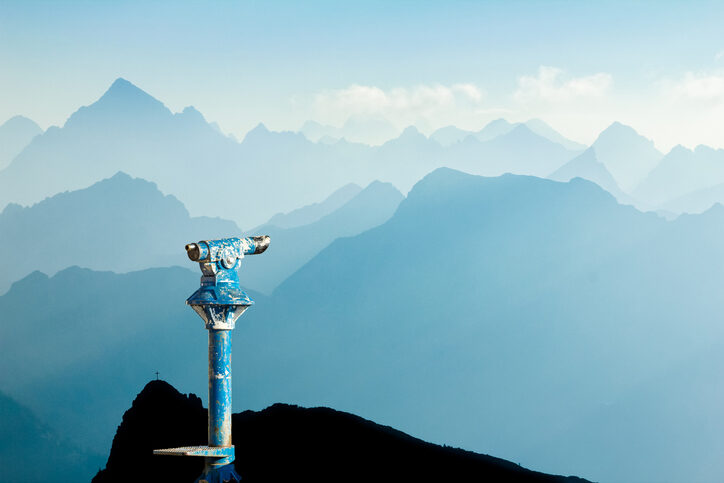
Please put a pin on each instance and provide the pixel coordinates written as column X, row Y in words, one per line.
column 289, row 443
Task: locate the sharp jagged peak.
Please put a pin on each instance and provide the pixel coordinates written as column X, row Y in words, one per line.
column 125, row 91
column 259, row 128
column 122, row 101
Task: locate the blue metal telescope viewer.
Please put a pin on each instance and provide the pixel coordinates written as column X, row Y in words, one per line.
column 219, row 301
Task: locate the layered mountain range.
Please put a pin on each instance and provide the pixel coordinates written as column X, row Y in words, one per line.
column 502, row 315
column 548, row 321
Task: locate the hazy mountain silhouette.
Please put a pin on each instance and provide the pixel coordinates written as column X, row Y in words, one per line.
column 627, row 155
column 315, row 131
column 30, row 451
column 118, row 224
column 516, row 316
column 586, row 166
column 125, row 130
column 311, row 213
column 290, row 443
column 97, row 337
column 15, row 134
column 268, row 172
column 542, row 129
column 360, row 129
column 293, row 247
column 494, row 129
column 696, row 202
column 518, row 151
column 682, row 173
column 521, row 303
column 450, row 135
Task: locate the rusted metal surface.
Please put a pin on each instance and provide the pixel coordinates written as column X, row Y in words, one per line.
column 219, row 301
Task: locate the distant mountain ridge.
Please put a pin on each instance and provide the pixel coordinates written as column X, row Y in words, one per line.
column 293, row 247
column 421, row 322
column 311, row 213
column 15, row 134
column 684, row 172
column 289, row 443
column 103, row 336
column 120, row 224
column 627, row 155
column 128, row 130
column 437, row 305
column 449, row 135
column 55, row 459
column 586, row 166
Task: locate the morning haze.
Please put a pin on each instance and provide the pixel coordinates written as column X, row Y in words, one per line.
column 494, row 226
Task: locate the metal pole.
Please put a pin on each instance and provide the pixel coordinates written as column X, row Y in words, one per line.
column 219, row 391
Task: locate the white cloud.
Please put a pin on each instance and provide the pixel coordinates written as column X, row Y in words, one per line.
column 550, row 86
column 693, row 86
column 422, row 105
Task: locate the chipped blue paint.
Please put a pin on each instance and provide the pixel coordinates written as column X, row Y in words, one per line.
column 219, row 302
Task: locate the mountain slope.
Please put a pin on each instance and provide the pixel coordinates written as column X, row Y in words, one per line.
column 118, row 224
column 293, row 247
column 15, row 134
column 288, row 443
column 103, row 335
column 586, row 166
column 32, row 452
column 449, row 135
column 518, row 151
column 513, row 315
column 311, row 213
column 527, row 303
column 683, row 172
column 627, row 155
column 696, row 202
column 542, row 129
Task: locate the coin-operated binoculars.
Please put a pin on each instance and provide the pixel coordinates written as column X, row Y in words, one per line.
column 219, row 301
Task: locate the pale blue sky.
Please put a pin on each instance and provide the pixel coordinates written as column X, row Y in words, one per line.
column 658, row 66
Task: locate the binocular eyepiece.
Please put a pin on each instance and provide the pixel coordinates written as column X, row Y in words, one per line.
column 226, row 250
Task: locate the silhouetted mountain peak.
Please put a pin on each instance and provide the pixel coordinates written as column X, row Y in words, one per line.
column 445, row 185
column 313, row 212
column 21, row 122
column 123, row 185
column 191, row 113
column 11, row 208
column 121, row 177
column 122, row 103
column 257, row 134
column 160, row 392
column 521, row 130
column 498, row 123
column 679, row 150
column 124, row 93
column 412, row 133
column 15, row 134
column 618, row 133
column 705, row 150
column 493, row 129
